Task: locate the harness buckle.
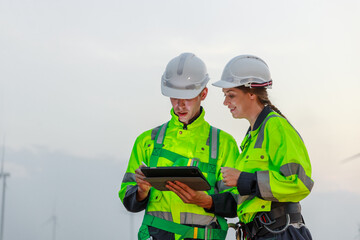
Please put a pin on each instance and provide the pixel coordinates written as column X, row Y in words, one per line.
column 238, row 231
column 280, row 230
column 264, row 219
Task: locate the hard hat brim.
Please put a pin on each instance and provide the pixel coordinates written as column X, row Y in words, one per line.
column 225, row 84
column 180, row 93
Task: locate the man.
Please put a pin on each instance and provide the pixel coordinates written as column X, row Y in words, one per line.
column 187, row 139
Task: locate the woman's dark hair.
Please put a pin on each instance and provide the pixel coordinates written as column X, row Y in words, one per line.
column 262, row 95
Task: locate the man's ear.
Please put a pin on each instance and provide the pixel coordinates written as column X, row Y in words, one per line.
column 204, row 93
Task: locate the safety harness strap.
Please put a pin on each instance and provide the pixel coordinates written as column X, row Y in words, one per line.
column 275, row 221
column 169, row 155
column 209, row 168
column 158, row 144
column 183, row 230
column 213, row 155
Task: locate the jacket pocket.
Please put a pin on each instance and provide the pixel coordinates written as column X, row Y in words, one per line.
column 155, row 196
column 254, row 160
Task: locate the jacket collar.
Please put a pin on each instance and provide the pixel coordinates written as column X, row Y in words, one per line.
column 194, row 122
column 259, row 120
column 266, row 110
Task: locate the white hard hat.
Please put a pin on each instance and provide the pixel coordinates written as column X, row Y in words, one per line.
column 185, row 77
column 245, row 70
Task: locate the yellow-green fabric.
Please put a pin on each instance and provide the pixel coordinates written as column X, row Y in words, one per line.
column 281, row 163
column 190, row 142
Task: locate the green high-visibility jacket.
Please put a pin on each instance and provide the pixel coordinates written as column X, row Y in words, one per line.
column 187, row 141
column 275, row 153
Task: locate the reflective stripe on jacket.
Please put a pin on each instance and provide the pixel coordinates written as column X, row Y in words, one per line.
column 275, row 152
column 191, row 141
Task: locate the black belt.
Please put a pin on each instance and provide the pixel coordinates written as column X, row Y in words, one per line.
column 275, row 221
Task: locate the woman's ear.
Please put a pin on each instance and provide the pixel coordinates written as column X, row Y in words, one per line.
column 252, row 96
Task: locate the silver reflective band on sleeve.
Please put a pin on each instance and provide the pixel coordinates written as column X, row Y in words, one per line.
column 263, row 179
column 295, row 168
column 214, row 141
column 220, row 185
column 162, row 134
column 260, row 137
column 163, row 215
column 128, row 188
column 129, row 177
column 240, row 199
column 198, row 219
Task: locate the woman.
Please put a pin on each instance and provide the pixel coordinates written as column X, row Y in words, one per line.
column 273, row 171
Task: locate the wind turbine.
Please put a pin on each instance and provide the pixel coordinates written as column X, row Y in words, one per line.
column 3, row 175
column 53, row 220
column 351, row 158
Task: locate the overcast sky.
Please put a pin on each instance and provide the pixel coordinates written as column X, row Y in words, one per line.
column 80, row 80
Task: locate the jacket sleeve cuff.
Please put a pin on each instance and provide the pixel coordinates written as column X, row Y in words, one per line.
column 224, row 205
column 130, row 202
column 247, row 184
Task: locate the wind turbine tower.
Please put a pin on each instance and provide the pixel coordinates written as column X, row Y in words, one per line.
column 53, row 219
column 3, row 175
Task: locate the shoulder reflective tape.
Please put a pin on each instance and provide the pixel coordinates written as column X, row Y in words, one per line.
column 214, row 142
column 161, row 136
column 295, row 168
column 198, row 219
column 260, row 137
column 129, row 177
column 154, row 132
column 164, row 215
column 263, row 179
column 296, row 132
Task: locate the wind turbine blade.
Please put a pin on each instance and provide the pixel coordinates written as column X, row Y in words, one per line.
column 351, row 158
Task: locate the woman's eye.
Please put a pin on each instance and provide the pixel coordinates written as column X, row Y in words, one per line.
column 229, row 96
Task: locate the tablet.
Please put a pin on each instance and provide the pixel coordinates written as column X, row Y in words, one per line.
column 190, row 176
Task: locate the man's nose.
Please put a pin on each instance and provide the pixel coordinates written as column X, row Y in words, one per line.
column 181, row 102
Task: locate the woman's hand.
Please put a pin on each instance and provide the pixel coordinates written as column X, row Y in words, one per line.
column 230, row 176
column 143, row 186
column 189, row 195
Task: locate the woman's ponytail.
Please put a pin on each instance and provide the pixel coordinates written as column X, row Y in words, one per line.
column 263, row 97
